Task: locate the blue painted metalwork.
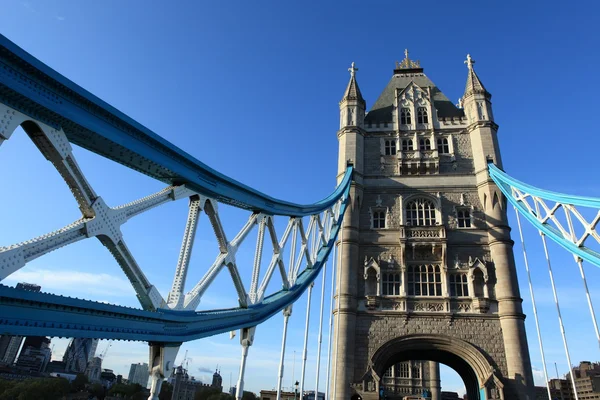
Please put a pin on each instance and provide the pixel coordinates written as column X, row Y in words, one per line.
column 506, row 185
column 38, row 91
column 28, row 313
column 41, row 93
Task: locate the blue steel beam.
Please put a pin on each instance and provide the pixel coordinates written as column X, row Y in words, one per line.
column 28, row 313
column 506, row 183
column 33, row 88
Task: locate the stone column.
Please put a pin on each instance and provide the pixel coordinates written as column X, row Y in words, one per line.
column 434, row 380
column 347, row 270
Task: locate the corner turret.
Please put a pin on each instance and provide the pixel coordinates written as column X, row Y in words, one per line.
column 476, row 100
column 352, row 105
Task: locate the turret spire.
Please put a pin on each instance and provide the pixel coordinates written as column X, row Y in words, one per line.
column 352, row 91
column 474, row 84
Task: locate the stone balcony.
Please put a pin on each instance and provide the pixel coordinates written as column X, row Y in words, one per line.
column 423, row 232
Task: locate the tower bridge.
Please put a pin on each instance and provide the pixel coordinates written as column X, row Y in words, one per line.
column 416, row 234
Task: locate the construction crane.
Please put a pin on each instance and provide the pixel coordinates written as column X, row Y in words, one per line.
column 103, row 354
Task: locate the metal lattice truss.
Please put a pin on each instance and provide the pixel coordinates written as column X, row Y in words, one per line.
column 306, row 241
column 555, row 215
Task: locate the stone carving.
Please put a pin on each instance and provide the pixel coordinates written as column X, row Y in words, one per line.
column 427, row 306
column 463, row 307
column 428, row 233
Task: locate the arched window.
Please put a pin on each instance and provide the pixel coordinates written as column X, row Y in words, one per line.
column 459, row 285
column 424, row 280
column 443, row 147
column 379, row 219
column 422, row 117
column 407, row 145
column 424, row 144
column 391, row 284
column 420, row 212
column 390, row 147
column 405, row 117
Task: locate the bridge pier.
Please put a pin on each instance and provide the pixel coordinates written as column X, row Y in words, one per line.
column 162, row 362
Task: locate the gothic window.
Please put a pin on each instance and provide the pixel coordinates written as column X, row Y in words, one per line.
column 420, row 212
column 442, row 144
column 391, row 284
column 424, row 280
column 458, row 285
column 407, row 145
column 416, row 372
column 379, row 219
column 390, row 147
column 402, row 370
column 405, row 117
column 388, row 373
column 422, row 117
column 424, row 144
column 463, row 216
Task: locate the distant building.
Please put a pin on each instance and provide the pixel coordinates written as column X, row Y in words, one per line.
column 10, row 345
column 94, row 369
column 35, row 355
column 587, row 383
column 310, row 395
column 232, row 390
column 78, row 353
column 272, row 395
column 108, row 378
column 139, row 373
column 185, row 386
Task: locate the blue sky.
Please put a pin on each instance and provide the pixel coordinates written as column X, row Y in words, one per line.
column 252, row 89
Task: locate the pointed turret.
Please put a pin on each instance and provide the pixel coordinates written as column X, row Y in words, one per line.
column 352, row 91
column 352, row 105
column 474, row 84
column 476, row 100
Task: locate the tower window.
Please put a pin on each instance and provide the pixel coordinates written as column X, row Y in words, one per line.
column 403, row 370
column 416, row 372
column 424, row 144
column 407, row 145
column 391, row 284
column 442, row 144
column 420, row 212
column 424, row 280
column 390, row 147
column 422, row 117
column 464, row 218
column 458, row 285
column 379, row 219
column 405, row 117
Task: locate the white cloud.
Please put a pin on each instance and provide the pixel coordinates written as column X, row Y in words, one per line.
column 60, row 18
column 73, row 282
column 538, row 377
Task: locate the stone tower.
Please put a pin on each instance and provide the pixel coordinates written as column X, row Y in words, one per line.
column 426, row 269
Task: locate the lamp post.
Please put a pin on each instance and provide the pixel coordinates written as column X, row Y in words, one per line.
column 296, row 390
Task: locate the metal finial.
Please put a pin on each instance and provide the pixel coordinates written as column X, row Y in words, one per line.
column 469, row 61
column 352, row 70
column 406, row 53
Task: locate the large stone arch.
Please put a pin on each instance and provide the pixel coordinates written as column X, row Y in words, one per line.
column 471, row 363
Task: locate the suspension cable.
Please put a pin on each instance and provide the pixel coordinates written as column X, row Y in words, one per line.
column 330, row 325
column 582, row 272
column 305, row 350
column 320, row 330
column 560, row 321
column 535, row 314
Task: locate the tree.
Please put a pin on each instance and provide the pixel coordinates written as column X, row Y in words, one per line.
column 38, row 389
column 248, row 396
column 79, row 383
column 205, row 393
column 98, row 391
column 166, row 391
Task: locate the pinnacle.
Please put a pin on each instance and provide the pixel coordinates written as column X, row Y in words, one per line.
column 352, row 91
